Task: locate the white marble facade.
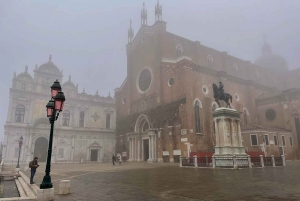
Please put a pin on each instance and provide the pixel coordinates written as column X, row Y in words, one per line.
column 85, row 130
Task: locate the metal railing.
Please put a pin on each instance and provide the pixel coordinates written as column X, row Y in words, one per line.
column 232, row 162
column 278, row 161
column 268, row 161
column 256, row 162
column 187, row 161
column 204, row 161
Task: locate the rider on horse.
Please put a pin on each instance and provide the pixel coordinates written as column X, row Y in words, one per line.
column 221, row 89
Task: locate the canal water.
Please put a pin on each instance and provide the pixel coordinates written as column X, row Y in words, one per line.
column 8, row 188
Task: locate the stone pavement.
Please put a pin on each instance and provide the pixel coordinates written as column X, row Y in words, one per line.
column 166, row 181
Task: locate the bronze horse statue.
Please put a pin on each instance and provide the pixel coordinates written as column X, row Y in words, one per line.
column 218, row 95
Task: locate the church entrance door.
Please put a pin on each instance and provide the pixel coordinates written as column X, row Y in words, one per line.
column 146, row 149
column 94, row 155
column 41, row 149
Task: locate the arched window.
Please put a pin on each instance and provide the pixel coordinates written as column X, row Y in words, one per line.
column 19, row 114
column 197, row 116
column 66, row 118
column 235, row 69
column 209, row 61
column 179, row 50
column 245, row 116
column 108, row 121
column 81, row 119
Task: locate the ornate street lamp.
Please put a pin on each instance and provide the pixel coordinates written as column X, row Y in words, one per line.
column 54, row 106
column 20, row 145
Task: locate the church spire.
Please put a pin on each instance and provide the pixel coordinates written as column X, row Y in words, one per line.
column 144, row 16
column 130, row 33
column 158, row 12
column 266, row 48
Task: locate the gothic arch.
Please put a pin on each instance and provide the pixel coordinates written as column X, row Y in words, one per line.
column 141, row 120
column 197, row 101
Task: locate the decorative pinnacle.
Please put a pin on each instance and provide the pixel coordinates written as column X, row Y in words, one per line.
column 26, row 69
column 69, row 77
column 130, row 32
column 97, row 92
column 50, row 58
column 83, row 90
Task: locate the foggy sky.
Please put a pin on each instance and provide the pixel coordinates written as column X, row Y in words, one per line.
column 87, row 38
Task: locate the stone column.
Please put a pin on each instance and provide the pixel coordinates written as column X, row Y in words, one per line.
column 283, row 160
column 249, row 161
column 150, row 150
column 233, row 141
column 129, row 150
column 195, row 161
column 9, row 114
column 216, row 131
column 72, row 149
column 135, row 149
column 153, row 148
column 139, row 150
column 132, row 154
column 273, row 160
column 239, row 133
column 235, row 165
column 262, row 161
column 180, row 161
column 213, row 162
column 225, row 132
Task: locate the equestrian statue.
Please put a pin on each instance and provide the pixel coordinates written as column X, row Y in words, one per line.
column 219, row 94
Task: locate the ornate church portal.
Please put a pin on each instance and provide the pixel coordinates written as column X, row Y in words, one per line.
column 41, row 149
column 142, row 142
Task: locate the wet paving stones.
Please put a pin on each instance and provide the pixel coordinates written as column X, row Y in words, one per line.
column 166, row 181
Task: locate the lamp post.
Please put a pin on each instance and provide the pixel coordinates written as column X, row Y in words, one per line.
column 264, row 144
column 20, row 145
column 54, row 106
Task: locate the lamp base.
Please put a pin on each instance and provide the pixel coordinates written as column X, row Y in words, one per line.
column 46, row 182
column 45, row 194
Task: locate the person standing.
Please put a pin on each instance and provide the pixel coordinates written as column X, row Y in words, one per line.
column 120, row 160
column 113, row 159
column 33, row 165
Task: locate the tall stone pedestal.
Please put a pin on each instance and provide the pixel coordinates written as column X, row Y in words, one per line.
column 228, row 137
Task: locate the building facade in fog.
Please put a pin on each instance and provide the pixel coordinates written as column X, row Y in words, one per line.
column 164, row 105
column 85, row 129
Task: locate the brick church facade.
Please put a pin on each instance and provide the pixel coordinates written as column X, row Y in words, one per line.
column 164, row 105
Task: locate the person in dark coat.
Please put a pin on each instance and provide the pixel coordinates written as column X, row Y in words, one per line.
column 113, row 159
column 33, row 165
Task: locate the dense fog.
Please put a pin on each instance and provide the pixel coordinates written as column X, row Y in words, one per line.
column 87, row 39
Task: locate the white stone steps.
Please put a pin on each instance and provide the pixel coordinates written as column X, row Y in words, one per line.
column 33, row 187
column 26, row 188
column 20, row 188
